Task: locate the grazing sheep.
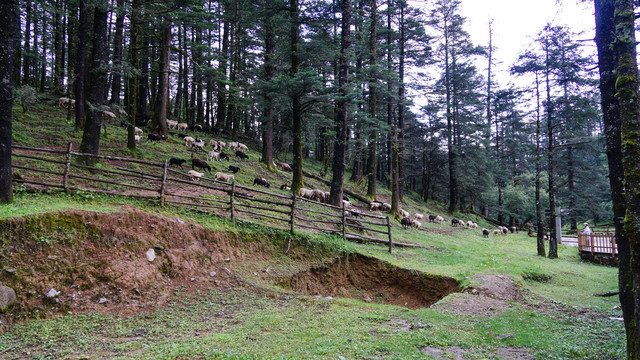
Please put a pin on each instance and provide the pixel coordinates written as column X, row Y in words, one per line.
column 261, row 182
column 188, row 140
column 403, row 213
column 439, row 219
column 345, row 198
column 285, row 187
column 432, row 218
column 195, row 162
column 318, row 195
column 198, row 127
column 183, row 126
column 195, row 176
column 416, row 224
column 108, row 115
column 375, row 205
column 241, row 155
column 386, row 207
column 155, row 137
column 286, row 167
column 233, row 169
column 406, row 222
column 224, row 156
column 455, row 222
column 497, row 232
column 182, row 136
column 504, row 229
column 418, row 216
column 469, row 223
column 172, row 124
column 212, row 155
column 233, row 145
column 306, row 193
column 473, row 225
column 242, row 146
column 346, row 204
column 198, row 145
column 176, row 161
column 220, row 176
column 513, row 229
column 137, row 138
column 485, row 233
column 66, row 102
column 137, row 130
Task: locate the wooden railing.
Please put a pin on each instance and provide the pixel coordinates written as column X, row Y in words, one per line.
column 598, row 243
column 45, row 169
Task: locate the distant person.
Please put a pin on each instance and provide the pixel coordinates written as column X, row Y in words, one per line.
column 587, row 232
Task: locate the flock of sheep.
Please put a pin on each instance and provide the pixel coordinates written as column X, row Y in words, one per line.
column 217, row 153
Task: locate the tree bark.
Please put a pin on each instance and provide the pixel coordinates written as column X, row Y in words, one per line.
column 269, row 70
column 97, row 77
column 82, row 55
column 373, row 84
column 9, row 28
column 342, row 108
column 540, row 230
column 222, row 66
column 116, row 84
column 553, row 241
column 163, row 84
column 399, row 148
column 296, row 106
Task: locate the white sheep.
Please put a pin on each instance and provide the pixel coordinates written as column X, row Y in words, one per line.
column 198, row 144
column 188, row 140
column 243, row 147
column 402, row 213
column 418, row 216
column 183, row 126
column 172, row 124
column 137, row 130
column 138, row 138
column 66, row 102
column 497, row 232
column 220, row 176
column 306, row 193
column 387, row 207
column 108, row 115
column 439, row 219
column 195, row 176
column 416, row 224
column 212, row 155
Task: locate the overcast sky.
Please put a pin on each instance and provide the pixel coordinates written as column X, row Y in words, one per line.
column 517, row 22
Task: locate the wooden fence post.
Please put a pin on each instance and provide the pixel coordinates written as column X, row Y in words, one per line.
column 233, row 195
column 389, row 227
column 67, row 168
column 163, row 186
column 293, row 211
column 344, row 223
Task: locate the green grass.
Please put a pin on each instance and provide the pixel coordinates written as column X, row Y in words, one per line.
column 561, row 320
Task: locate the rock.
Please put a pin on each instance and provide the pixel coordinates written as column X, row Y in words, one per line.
column 193, row 279
column 151, row 255
column 506, row 336
column 7, row 297
column 52, row 293
column 328, row 298
column 102, row 301
column 227, row 259
column 11, row 270
column 213, row 273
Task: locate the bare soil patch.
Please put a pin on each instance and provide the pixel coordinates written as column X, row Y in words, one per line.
column 369, row 279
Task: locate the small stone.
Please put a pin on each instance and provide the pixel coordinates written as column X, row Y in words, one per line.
column 52, row 257
column 617, row 318
column 7, row 297
column 102, row 301
column 266, row 270
column 52, row 293
column 11, row 270
column 213, row 273
column 151, row 255
column 506, row 336
column 328, row 298
column 367, row 298
column 227, row 259
column 179, row 220
column 193, row 279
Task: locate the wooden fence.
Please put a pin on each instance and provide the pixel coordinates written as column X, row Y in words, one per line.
column 598, row 243
column 66, row 170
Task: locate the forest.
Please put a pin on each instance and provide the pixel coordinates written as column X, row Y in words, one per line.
column 393, row 93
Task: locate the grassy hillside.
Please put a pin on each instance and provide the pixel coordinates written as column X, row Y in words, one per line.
column 514, row 304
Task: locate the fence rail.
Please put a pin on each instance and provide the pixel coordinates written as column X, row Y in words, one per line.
column 157, row 182
column 598, row 243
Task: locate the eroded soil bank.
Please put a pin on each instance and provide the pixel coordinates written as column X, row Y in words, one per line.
column 98, row 262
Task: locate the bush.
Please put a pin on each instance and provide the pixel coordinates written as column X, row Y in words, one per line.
column 26, row 96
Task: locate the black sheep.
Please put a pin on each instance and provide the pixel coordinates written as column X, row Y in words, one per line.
column 455, row 222
column 233, row 169
column 485, row 233
column 182, row 136
column 432, row 218
column 285, row 187
column 224, row 156
column 406, row 222
column 345, row 198
column 156, row 137
column 176, row 161
column 261, row 181
column 241, row 155
column 200, row 164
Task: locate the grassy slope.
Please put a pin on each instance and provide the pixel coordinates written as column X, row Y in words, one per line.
column 218, row 325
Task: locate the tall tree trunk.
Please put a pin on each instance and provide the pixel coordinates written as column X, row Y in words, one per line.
column 116, row 84
column 82, row 56
column 540, row 228
column 389, row 97
column 401, row 105
column 627, row 94
column 163, row 86
column 453, row 186
column 133, row 77
column 296, row 106
column 553, row 240
column 269, row 71
column 571, row 187
column 58, row 28
column 608, row 62
column 222, row 66
column 26, row 63
column 342, row 109
column 9, row 28
column 97, row 77
column 373, row 84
